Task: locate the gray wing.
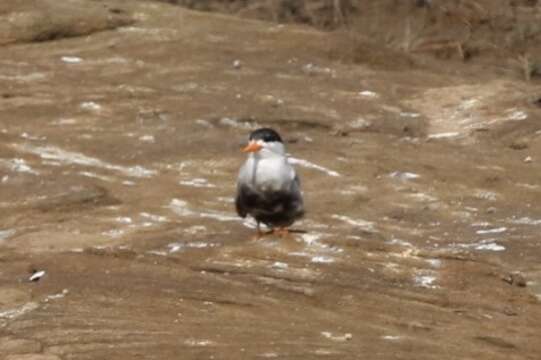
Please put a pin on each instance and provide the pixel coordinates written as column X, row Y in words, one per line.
column 243, row 192
column 297, row 196
column 240, row 200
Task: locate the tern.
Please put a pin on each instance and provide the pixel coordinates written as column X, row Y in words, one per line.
column 268, row 188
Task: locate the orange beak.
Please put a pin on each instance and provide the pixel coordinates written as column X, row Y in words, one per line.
column 252, row 147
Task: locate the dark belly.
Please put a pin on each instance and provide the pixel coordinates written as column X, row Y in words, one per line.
column 272, row 208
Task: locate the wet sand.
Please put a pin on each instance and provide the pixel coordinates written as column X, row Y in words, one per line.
column 118, row 157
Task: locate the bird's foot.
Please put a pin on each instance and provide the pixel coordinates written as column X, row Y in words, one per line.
column 281, row 232
column 261, row 234
column 258, row 235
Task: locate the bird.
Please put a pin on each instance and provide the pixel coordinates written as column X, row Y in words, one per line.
column 268, row 188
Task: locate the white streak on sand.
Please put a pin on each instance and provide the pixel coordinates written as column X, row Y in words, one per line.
column 404, row 176
column 21, row 310
column 114, row 233
column 492, row 231
column 71, row 59
column 56, row 296
column 71, row 157
column 197, row 182
column 525, row 221
column 27, row 136
column 400, row 242
column 444, row 135
column 322, row 259
column 515, row 115
column 195, row 229
column 5, row 234
column 279, row 265
column 310, row 165
column 124, row 220
column 487, row 244
column 238, row 124
column 90, row 105
column 157, row 253
column 331, row 336
column 365, row 225
column 175, row 247
column 181, row 208
column 219, row 216
column 409, row 114
column 194, row 342
column 311, row 239
column 435, row 263
column 95, row 176
column 147, row 138
column 369, row 94
column 18, row 165
column 426, row 281
column 154, row 217
column 491, row 246
column 26, row 77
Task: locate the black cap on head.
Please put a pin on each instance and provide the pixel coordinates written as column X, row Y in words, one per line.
column 265, row 134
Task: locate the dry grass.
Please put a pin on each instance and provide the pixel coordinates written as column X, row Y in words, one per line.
column 484, row 30
column 528, row 66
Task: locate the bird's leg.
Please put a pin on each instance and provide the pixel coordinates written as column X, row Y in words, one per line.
column 259, row 233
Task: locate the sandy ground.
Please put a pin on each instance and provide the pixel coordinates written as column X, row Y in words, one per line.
column 119, row 149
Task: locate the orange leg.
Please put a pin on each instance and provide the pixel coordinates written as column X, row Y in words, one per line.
column 259, row 233
column 281, row 231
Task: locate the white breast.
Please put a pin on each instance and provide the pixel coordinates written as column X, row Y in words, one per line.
column 266, row 174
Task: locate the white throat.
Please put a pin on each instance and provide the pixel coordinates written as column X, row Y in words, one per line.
column 268, row 168
column 270, row 150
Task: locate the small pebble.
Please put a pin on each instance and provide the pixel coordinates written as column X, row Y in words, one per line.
column 515, row 278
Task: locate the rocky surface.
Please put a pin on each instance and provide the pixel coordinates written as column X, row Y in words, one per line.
column 120, row 131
